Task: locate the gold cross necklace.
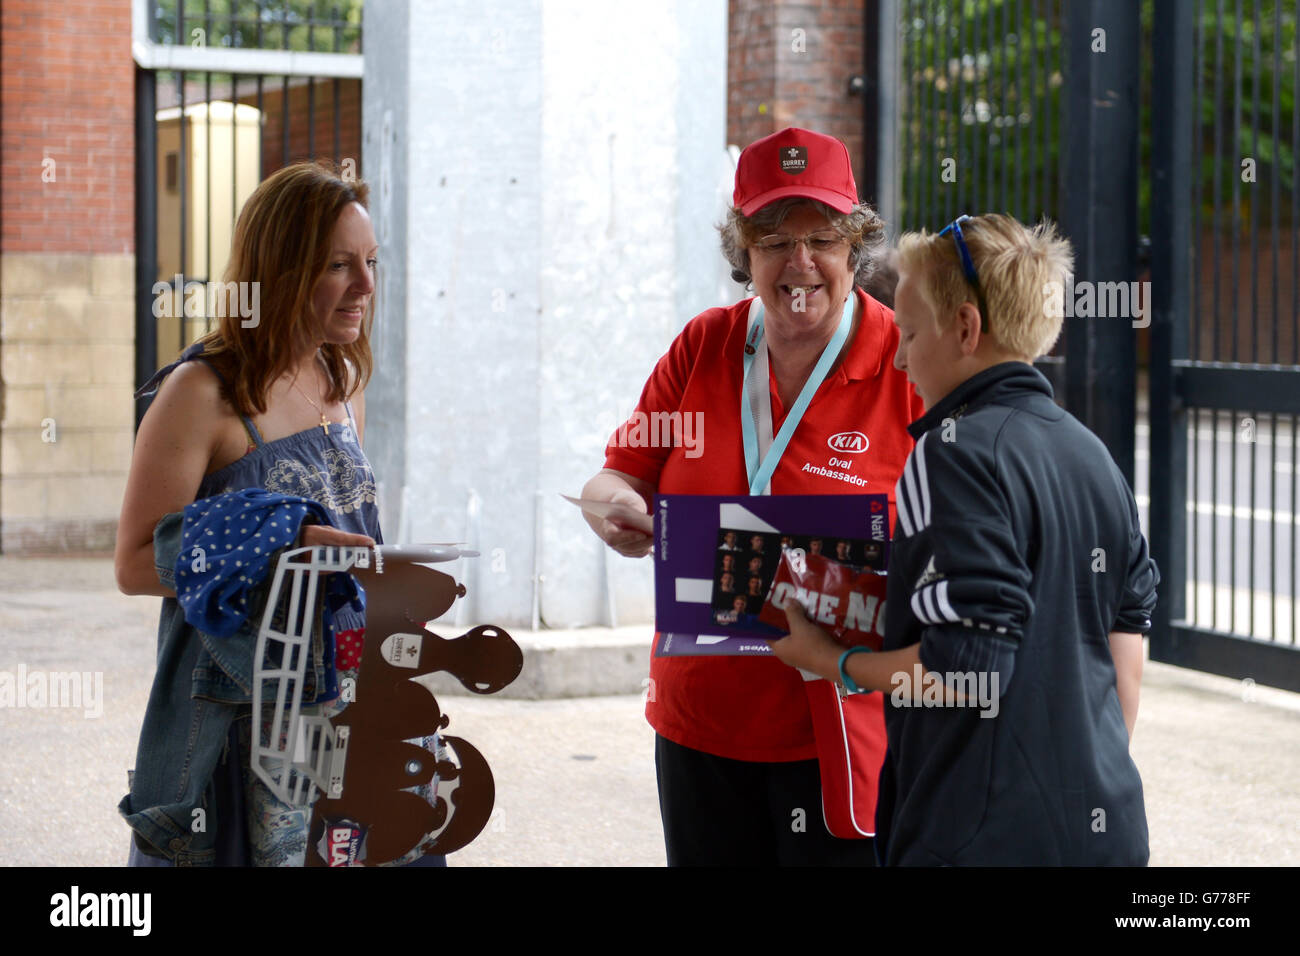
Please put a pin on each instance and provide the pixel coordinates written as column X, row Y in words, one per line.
column 324, row 422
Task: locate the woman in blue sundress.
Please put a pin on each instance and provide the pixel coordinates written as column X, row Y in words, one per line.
column 275, row 400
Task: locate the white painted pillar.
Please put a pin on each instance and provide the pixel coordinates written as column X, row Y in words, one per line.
column 554, row 172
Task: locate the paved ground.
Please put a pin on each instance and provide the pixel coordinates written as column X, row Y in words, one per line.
column 575, row 777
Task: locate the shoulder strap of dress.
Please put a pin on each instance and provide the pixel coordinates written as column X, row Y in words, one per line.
column 254, row 435
column 151, row 386
column 192, row 353
column 352, row 419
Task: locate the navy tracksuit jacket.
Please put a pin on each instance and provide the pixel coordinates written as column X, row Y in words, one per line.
column 1016, row 552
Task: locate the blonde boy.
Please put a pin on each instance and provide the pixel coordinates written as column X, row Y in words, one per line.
column 1019, row 581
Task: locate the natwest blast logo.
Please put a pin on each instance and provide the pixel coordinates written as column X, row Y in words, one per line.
column 849, row 442
column 342, row 843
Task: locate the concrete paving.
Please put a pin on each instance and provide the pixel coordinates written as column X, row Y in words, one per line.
column 1220, row 760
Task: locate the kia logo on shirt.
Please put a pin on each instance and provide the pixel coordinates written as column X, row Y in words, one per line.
column 851, row 442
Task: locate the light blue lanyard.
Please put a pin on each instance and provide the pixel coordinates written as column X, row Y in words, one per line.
column 760, row 395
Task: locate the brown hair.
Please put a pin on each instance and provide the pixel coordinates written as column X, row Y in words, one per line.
column 283, row 242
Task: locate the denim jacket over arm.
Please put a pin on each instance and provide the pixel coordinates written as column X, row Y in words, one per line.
column 201, row 684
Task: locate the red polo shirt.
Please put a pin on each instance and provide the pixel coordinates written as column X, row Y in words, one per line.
column 755, row 708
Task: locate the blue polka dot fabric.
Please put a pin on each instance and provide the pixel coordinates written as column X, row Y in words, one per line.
column 228, row 544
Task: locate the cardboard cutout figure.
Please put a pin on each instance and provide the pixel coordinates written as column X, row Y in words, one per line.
column 362, row 760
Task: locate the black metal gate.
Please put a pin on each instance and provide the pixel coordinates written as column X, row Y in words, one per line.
column 228, row 92
column 980, row 110
column 1225, row 361
column 1177, row 118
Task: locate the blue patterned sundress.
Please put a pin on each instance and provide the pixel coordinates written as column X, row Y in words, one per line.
column 329, row 467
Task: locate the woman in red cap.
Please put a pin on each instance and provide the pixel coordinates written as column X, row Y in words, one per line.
column 735, row 755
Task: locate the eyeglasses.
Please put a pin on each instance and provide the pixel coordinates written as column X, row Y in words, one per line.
column 779, row 245
column 968, row 267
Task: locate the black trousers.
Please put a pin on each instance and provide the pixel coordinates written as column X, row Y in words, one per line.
column 722, row 812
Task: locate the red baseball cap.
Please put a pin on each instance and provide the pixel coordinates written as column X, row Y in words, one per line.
column 795, row 162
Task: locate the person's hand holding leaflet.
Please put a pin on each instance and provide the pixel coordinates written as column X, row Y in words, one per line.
column 629, row 534
column 810, row 648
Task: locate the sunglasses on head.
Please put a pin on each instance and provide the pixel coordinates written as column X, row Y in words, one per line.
column 968, row 267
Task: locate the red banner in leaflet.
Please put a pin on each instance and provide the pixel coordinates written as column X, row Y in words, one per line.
column 849, row 604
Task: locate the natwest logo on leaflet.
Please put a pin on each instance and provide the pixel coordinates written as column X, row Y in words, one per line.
column 851, row 442
column 342, row 843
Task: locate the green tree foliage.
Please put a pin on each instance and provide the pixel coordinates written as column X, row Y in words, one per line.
column 321, row 26
column 1246, row 88
column 981, row 84
column 980, row 112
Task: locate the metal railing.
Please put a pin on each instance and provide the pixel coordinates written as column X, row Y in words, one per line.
column 1226, row 346
column 300, row 24
column 981, row 109
column 980, row 116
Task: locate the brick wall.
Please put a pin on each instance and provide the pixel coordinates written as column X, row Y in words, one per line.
column 321, row 144
column 789, row 64
column 1239, row 284
column 67, row 98
column 66, row 271
column 301, row 108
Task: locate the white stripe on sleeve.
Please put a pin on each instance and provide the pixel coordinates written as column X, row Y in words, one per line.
column 911, row 498
column 927, row 599
column 923, row 480
column 918, row 610
column 900, row 506
column 941, row 595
